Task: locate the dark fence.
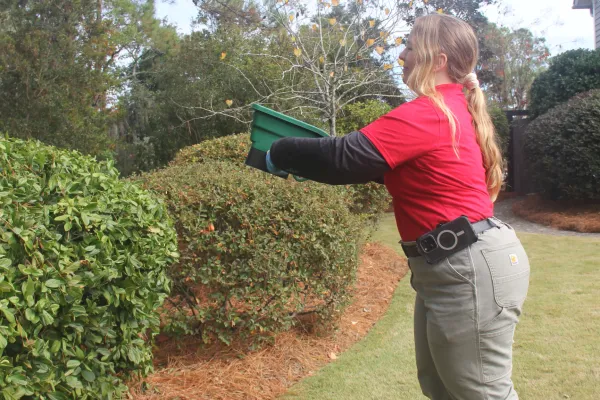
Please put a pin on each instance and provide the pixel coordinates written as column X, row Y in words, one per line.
column 518, row 179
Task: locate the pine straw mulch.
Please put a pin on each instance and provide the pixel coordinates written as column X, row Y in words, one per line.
column 566, row 215
column 185, row 369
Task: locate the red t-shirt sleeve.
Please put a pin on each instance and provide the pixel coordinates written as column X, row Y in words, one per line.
column 405, row 132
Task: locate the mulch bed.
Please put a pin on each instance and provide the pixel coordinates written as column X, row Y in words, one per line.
column 187, row 369
column 565, row 215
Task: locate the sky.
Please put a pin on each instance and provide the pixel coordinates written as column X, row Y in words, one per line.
column 563, row 27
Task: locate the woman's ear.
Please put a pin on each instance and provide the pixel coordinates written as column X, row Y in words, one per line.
column 441, row 62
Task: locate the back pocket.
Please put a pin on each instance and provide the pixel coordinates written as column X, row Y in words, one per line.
column 509, row 268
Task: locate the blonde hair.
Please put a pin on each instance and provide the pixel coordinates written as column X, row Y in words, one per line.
column 439, row 33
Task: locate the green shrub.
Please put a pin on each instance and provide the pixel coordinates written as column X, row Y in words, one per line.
column 256, row 250
column 371, row 199
column 563, row 149
column 501, row 126
column 570, row 73
column 233, row 148
column 360, row 114
column 83, row 260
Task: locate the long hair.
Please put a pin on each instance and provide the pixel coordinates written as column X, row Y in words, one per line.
column 439, row 33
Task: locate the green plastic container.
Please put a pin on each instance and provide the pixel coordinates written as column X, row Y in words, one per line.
column 269, row 126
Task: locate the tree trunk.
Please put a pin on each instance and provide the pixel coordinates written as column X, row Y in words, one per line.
column 332, row 126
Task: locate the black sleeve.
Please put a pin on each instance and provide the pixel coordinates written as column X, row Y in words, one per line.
column 333, row 160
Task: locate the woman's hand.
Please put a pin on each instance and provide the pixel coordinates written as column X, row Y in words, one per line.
column 272, row 168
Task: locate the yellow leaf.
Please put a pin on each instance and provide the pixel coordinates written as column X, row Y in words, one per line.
column 332, row 355
column 383, row 35
column 379, row 50
column 398, row 41
column 229, row 102
column 425, row 1
column 335, row 2
column 387, row 11
column 345, row 68
column 297, row 52
column 387, row 66
column 314, row 27
column 321, row 59
column 370, row 42
column 331, row 74
column 440, row 11
column 223, row 55
column 342, row 42
column 372, row 23
column 331, row 21
column 291, row 18
column 358, row 1
column 410, row 4
column 401, row 62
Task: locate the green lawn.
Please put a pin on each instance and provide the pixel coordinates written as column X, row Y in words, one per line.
column 557, row 344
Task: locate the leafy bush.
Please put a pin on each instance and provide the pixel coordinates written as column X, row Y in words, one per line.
column 360, row 114
column 570, row 73
column 501, row 126
column 371, row 198
column 256, row 250
column 83, row 259
column 233, row 148
column 563, row 149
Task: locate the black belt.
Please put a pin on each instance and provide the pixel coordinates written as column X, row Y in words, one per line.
column 411, row 250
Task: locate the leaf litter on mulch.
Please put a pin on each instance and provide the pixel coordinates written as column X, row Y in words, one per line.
column 187, row 369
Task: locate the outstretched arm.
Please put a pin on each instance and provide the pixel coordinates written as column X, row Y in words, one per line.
column 333, row 160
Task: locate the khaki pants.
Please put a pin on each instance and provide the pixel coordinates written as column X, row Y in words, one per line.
column 466, row 310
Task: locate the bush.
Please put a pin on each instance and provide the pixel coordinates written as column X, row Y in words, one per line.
column 501, row 126
column 360, row 114
column 570, row 73
column 83, row 259
column 563, row 148
column 233, row 148
column 372, row 198
column 257, row 250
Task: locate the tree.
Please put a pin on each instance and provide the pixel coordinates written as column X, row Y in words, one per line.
column 58, row 68
column 325, row 58
column 518, row 57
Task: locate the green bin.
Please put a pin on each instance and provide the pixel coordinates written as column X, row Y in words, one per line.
column 268, row 126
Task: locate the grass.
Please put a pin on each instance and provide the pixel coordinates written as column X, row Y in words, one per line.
column 557, row 344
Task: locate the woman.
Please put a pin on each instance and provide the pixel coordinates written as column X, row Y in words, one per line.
column 439, row 160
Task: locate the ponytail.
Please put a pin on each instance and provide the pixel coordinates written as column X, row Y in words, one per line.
column 486, row 138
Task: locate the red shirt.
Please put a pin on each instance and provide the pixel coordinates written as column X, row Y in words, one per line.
column 429, row 184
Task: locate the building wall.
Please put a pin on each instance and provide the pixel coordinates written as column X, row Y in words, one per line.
column 596, row 13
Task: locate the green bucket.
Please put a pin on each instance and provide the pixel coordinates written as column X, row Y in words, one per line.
column 267, row 127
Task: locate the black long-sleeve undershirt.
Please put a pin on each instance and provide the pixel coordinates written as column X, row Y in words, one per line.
column 333, row 160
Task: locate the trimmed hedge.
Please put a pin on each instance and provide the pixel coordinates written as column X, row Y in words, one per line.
column 83, row 259
column 371, row 198
column 233, row 148
column 563, row 149
column 570, row 73
column 256, row 250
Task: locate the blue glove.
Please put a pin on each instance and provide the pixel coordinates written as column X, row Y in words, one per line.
column 273, row 169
